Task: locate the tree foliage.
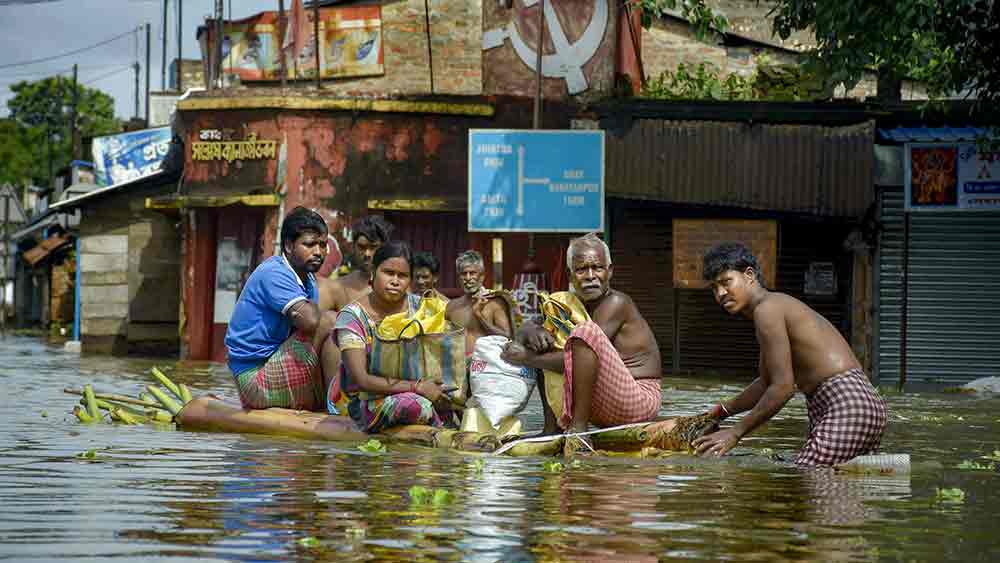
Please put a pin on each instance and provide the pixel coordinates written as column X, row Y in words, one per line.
column 951, row 45
column 770, row 82
column 697, row 12
column 39, row 114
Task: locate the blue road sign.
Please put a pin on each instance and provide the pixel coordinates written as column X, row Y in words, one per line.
column 536, row 180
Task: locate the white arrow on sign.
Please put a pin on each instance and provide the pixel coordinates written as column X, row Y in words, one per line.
column 521, row 180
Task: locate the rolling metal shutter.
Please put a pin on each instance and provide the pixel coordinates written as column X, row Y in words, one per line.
column 889, row 280
column 953, row 314
column 643, row 267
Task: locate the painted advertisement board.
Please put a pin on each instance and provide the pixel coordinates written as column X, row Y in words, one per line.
column 129, row 156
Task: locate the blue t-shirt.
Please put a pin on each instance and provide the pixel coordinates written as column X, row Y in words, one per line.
column 259, row 324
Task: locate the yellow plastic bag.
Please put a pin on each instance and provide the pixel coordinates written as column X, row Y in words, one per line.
column 428, row 319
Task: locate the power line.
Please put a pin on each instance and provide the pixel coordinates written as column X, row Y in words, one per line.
column 106, row 75
column 59, row 56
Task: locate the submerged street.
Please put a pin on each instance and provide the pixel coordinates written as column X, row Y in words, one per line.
column 74, row 491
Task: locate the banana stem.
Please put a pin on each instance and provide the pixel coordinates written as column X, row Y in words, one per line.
column 165, row 381
column 185, row 393
column 164, row 399
column 118, row 399
column 88, row 395
column 81, row 414
column 159, row 416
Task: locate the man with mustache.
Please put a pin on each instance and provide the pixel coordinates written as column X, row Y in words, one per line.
column 799, row 349
column 611, row 362
column 274, row 333
column 476, row 310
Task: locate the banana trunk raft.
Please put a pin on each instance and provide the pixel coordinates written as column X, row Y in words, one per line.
column 174, row 403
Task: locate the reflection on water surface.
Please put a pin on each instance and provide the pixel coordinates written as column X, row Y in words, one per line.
column 163, row 493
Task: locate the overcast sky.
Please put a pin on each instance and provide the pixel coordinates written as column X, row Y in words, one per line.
column 48, row 28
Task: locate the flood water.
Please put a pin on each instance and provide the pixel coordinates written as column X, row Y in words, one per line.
column 163, row 493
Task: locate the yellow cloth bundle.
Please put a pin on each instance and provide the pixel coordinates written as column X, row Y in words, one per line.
column 561, row 313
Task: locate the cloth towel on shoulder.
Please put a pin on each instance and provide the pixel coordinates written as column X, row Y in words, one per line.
column 847, row 417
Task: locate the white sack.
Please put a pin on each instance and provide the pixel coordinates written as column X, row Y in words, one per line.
column 498, row 388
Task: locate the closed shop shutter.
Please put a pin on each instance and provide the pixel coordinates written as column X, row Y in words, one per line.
column 889, row 291
column 643, row 266
column 953, row 314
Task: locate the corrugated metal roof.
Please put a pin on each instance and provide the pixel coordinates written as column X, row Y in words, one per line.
column 790, row 168
column 932, row 134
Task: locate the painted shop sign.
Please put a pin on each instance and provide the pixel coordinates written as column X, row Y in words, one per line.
column 951, row 177
column 212, row 147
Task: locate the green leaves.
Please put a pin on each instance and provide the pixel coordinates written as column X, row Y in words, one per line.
column 422, row 496
column 373, row 446
column 954, row 495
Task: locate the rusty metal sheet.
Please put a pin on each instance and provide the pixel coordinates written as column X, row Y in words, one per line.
column 807, row 169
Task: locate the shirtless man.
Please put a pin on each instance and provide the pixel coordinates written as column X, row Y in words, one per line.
column 798, row 349
column 370, row 233
column 611, row 362
column 426, row 268
column 480, row 315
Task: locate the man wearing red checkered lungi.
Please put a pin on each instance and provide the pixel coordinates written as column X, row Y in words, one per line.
column 799, row 349
column 611, row 362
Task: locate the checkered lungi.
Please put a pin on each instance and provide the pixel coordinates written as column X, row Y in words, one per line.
column 618, row 398
column 846, row 419
column 290, row 378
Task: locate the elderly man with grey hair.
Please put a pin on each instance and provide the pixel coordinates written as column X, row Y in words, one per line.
column 611, row 361
column 476, row 310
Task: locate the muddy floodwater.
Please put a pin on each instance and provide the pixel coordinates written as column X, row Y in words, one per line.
column 144, row 493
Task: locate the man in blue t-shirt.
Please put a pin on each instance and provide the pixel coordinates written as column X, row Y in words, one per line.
column 275, row 332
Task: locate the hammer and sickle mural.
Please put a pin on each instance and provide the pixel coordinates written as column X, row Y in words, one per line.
column 569, row 57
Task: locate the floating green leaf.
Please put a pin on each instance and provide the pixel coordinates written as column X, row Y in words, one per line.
column 309, row 542
column 553, row 466
column 45, row 414
column 478, row 465
column 951, row 495
column 89, row 454
column 419, row 494
column 373, row 446
column 441, row 497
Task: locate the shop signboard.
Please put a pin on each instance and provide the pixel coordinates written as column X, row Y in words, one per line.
column 536, row 180
column 129, row 156
column 951, row 177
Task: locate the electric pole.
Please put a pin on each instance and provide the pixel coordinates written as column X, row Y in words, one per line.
column 163, row 62
column 75, row 139
column 180, row 52
column 147, row 73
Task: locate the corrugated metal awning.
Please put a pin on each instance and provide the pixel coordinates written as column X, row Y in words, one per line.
column 809, row 169
column 932, row 134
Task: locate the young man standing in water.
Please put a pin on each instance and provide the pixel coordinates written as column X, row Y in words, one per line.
column 798, row 349
column 476, row 311
column 275, row 331
column 611, row 362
